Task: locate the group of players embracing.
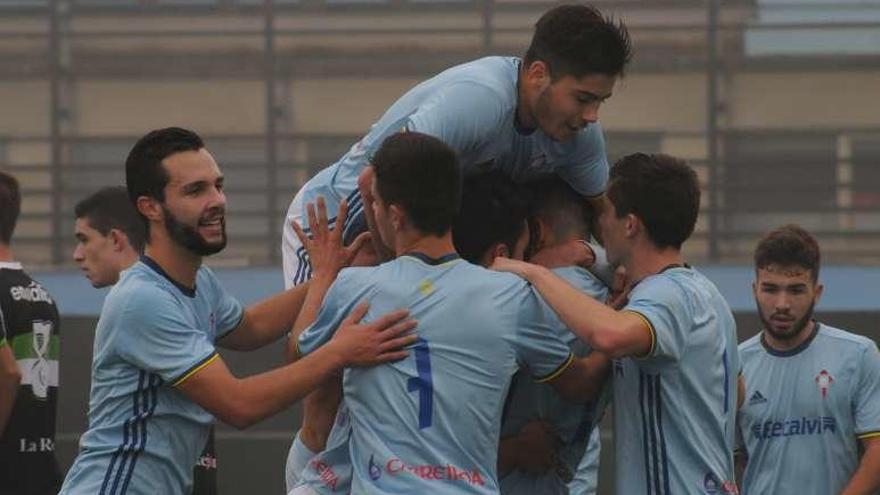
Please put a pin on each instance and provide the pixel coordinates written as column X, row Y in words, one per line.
column 453, row 324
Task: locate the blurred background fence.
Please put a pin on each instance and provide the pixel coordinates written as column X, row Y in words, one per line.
column 776, row 103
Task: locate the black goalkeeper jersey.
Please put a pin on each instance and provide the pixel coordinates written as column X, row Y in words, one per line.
column 29, row 326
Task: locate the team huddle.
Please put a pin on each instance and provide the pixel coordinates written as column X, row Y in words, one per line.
column 469, row 289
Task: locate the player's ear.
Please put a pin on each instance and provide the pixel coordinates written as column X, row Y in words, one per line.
column 150, row 208
column 819, row 290
column 537, row 74
column 119, row 240
column 397, row 216
column 633, row 225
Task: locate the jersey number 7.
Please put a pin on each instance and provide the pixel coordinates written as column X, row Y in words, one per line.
column 424, row 383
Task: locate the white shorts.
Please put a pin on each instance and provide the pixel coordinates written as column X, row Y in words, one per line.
column 303, row 490
column 294, row 258
column 297, row 460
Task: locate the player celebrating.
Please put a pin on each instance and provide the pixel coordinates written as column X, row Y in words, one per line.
column 812, row 391
column 157, row 380
column 431, row 423
column 535, row 115
column 559, row 216
column 532, row 116
column 675, row 376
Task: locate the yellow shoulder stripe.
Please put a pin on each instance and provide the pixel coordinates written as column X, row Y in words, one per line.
column 561, row 369
column 650, row 329
column 195, row 369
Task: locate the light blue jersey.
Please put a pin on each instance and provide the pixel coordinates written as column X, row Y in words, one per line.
column 472, row 108
column 430, row 423
column 674, row 410
column 143, row 433
column 586, row 479
column 805, row 411
column 573, row 422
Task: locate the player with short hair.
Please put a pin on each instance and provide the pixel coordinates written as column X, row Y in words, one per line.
column 812, row 391
column 157, row 380
column 431, row 423
column 495, row 226
column 674, row 343
column 29, row 355
column 529, row 116
column 526, row 116
column 532, row 462
column 110, row 235
column 492, row 220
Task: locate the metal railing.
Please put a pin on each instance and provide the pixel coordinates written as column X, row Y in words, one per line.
column 59, row 42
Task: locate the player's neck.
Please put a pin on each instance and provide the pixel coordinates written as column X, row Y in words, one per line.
column 6, row 253
column 783, row 345
column 429, row 245
column 650, row 261
column 178, row 262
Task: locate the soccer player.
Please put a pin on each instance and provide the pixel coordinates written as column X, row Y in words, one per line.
column 110, row 237
column 495, row 225
column 528, row 116
column 559, row 216
column 812, row 390
column 675, row 372
column 430, row 424
column 157, row 380
column 29, row 347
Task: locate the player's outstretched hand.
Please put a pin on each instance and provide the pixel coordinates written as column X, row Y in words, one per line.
column 382, row 340
column 327, row 255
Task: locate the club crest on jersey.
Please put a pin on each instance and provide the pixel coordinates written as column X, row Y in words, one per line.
column 824, row 381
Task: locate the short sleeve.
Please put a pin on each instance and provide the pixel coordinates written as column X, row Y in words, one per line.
column 587, row 172
column 335, row 307
column 229, row 314
column 668, row 315
column 538, row 345
column 462, row 115
column 867, row 396
column 155, row 335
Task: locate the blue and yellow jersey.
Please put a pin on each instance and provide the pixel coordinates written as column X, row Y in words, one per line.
column 430, row 423
column 573, row 422
column 674, row 409
column 806, row 409
column 152, row 335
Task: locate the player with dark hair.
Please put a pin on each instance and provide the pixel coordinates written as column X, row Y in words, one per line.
column 546, row 439
column 812, row 391
column 675, row 374
column 157, row 379
column 492, row 219
column 110, row 237
column 29, row 355
column 438, row 412
column 109, row 233
column 526, row 117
